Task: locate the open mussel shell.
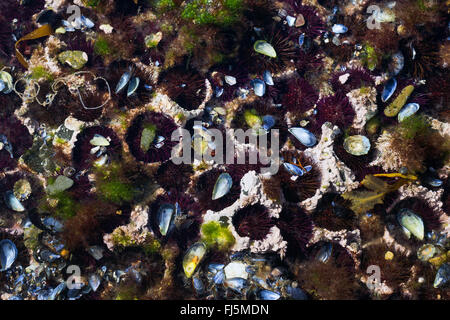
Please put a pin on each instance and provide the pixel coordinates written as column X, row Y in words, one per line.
column 61, row 184
column 223, row 186
column 397, row 63
column 8, row 254
column 412, row 223
column 236, row 284
column 426, row 252
column 22, row 189
column 147, row 137
column 193, row 257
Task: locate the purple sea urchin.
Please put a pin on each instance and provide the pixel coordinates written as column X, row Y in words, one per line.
column 357, row 78
column 296, row 228
column 82, row 154
column 253, row 221
column 15, row 140
column 162, row 126
column 314, row 25
column 300, row 97
column 336, row 109
column 285, row 51
column 203, row 186
column 185, row 87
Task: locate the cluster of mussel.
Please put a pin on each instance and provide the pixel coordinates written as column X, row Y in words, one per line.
column 243, row 276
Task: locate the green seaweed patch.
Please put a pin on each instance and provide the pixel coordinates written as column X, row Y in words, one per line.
column 31, row 237
column 370, row 57
column 163, row 6
column 40, row 72
column 66, row 207
column 121, row 239
column 413, row 125
column 116, row 191
column 151, row 246
column 217, row 235
column 102, row 47
column 224, row 12
column 113, row 186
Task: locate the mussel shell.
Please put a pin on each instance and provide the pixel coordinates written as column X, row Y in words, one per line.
column 407, row 111
column 8, row 254
column 165, row 216
column 132, row 87
column 94, row 281
column 304, row 136
column 259, row 87
column 230, row 80
column 265, row 48
column 124, row 79
column 7, row 80
column 193, row 257
column 268, row 295
column 293, row 169
column 442, row 276
column 99, row 141
column 223, row 186
column 268, row 122
column 339, row 28
column 389, row 89
column 411, row 222
column 325, row 252
column 268, row 78
column 236, row 284
column 12, row 202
